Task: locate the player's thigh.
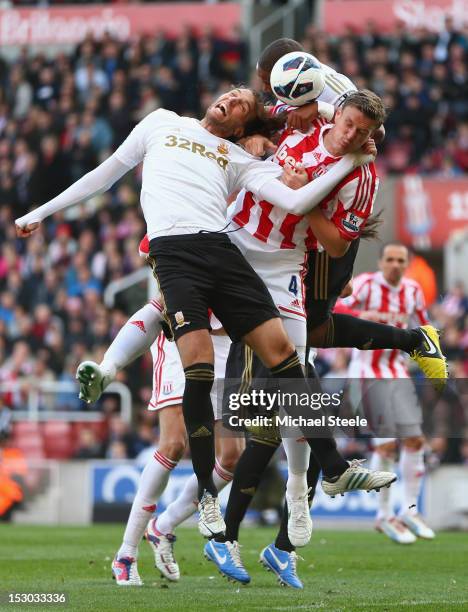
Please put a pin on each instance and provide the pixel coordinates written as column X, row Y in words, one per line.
column 270, row 342
column 245, row 373
column 195, row 347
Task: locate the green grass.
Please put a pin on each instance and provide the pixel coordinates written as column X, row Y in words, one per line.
column 342, row 571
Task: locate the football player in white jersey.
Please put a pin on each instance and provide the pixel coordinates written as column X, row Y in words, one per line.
column 337, row 85
column 189, row 169
column 393, row 407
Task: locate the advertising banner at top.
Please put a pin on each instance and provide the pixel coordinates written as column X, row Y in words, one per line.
column 71, row 24
column 430, row 14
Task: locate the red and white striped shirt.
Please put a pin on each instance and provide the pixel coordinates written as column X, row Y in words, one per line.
column 348, row 206
column 396, row 305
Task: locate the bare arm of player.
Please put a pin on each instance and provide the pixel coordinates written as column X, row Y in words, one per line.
column 258, row 145
column 303, row 200
column 94, row 182
column 302, row 117
column 327, row 234
column 127, row 156
column 370, row 315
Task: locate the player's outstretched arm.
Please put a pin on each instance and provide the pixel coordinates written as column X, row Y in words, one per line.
column 94, row 182
column 301, row 201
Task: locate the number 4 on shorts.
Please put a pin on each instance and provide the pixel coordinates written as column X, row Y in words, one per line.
column 293, row 284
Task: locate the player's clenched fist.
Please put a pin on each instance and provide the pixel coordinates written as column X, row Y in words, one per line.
column 301, row 118
column 294, row 177
column 27, row 230
column 369, row 147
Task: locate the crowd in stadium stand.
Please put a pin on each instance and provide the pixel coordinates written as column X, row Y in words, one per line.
column 60, row 117
column 423, row 79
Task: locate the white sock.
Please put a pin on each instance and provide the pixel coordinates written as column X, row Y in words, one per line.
column 152, row 483
column 298, row 455
column 412, row 472
column 382, row 464
column 134, row 339
column 187, row 502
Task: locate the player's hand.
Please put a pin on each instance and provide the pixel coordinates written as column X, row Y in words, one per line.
column 360, row 158
column 294, row 177
column 301, row 118
column 27, row 230
column 369, row 147
column 347, row 290
column 258, row 145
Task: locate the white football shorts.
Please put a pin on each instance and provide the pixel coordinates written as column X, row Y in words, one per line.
column 168, row 373
column 283, row 272
column 393, row 409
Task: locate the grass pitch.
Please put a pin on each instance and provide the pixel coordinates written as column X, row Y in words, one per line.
column 342, row 571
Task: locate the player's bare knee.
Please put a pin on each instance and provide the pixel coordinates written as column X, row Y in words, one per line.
column 270, row 342
column 281, row 348
column 284, row 350
column 174, row 447
column 195, row 347
column 229, row 457
column 228, row 462
column 414, row 443
column 387, row 449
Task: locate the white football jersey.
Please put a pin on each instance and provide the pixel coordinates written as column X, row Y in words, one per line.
column 188, row 173
column 337, row 88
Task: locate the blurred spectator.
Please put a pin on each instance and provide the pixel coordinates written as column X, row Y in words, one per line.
column 122, row 442
column 422, row 79
column 455, row 302
column 117, row 449
column 421, row 272
column 88, row 446
column 13, row 468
